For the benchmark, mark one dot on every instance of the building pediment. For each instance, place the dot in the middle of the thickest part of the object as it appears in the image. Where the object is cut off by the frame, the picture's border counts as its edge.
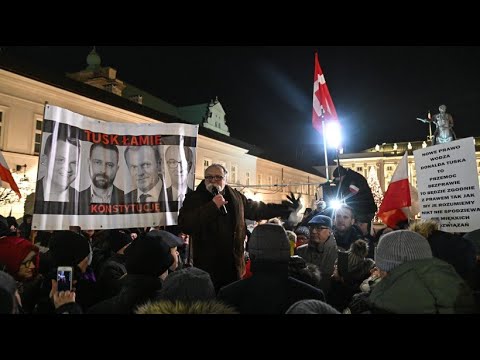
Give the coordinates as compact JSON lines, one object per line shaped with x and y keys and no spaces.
{"x":217,"y":107}
{"x":216,"y":118}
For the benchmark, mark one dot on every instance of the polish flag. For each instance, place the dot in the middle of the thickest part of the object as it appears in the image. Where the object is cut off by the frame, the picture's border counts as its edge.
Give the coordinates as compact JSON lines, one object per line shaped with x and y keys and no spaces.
{"x":6,"y":178}
{"x":323,"y":107}
{"x":397,"y":199}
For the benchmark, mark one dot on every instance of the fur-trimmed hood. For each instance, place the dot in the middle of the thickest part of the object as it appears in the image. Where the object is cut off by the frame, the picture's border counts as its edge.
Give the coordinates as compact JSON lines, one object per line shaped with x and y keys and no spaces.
{"x":425,"y":228}
{"x":197,"y":307}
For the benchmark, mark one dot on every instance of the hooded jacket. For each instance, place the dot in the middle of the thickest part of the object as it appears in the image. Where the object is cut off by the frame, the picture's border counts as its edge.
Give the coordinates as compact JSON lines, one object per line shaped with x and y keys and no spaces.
{"x":197,"y":307}
{"x":427,"y":286}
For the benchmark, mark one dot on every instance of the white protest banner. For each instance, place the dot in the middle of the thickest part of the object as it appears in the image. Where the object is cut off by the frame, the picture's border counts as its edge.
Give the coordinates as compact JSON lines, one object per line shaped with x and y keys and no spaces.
{"x":447,"y":183}
{"x":105,"y":175}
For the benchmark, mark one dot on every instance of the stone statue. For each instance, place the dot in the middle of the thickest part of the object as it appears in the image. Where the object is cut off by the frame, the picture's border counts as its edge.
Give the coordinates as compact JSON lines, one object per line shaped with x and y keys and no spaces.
{"x":444,"y":126}
{"x":444,"y":132}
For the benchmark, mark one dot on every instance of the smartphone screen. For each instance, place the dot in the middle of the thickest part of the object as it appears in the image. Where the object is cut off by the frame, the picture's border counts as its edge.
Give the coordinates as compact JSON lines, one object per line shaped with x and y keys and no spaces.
{"x":64,"y":278}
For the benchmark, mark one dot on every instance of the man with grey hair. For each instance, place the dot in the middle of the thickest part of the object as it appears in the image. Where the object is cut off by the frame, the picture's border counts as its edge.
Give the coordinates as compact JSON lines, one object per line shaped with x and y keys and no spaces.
{"x":214,"y":217}
{"x":179,"y":160}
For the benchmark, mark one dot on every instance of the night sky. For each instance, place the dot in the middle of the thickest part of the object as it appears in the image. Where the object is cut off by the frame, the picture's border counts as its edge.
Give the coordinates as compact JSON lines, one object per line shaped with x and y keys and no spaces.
{"x":378,"y":91}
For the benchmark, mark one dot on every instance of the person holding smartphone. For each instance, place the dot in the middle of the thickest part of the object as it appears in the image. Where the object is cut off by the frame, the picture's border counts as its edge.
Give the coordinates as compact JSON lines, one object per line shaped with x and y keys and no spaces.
{"x":62,"y":295}
{"x":71,"y":250}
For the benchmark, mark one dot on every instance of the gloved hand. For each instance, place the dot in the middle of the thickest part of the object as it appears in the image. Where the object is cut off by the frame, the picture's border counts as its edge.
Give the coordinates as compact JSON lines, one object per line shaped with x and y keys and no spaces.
{"x":293,"y":204}
{"x":320,"y":205}
{"x":360,"y":304}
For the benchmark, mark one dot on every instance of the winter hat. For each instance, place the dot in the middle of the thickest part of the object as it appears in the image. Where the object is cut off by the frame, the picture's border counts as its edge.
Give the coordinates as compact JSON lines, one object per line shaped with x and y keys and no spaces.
{"x":398,"y":247}
{"x":68,"y":248}
{"x":357,"y":254}
{"x":363,"y":218}
{"x":320,"y":220}
{"x":474,"y":237}
{"x":269,"y":242}
{"x":188,"y":285}
{"x":303,"y":230}
{"x":118,"y":239}
{"x":4,"y":228}
{"x":148,"y":255}
{"x":11,"y":221}
{"x":167,"y":237}
{"x":8,"y":287}
{"x":13,"y":250}
{"x":311,"y":307}
{"x":339,"y":171}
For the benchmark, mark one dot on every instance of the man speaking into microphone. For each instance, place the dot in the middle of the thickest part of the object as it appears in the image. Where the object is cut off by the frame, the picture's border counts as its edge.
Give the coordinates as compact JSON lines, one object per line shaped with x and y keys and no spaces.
{"x":214,"y":217}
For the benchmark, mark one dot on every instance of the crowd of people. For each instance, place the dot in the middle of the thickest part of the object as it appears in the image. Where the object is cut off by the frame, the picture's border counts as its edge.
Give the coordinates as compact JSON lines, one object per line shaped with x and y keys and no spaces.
{"x":326,"y":263}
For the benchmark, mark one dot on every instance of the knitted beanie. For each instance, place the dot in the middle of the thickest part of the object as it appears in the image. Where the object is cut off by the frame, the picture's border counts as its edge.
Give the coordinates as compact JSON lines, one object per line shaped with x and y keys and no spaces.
{"x":269,"y":242}
{"x":311,"y":307}
{"x":188,"y":285}
{"x":398,"y":247}
{"x":167,"y":237}
{"x":148,"y":255}
{"x":303,"y":230}
{"x":357,"y":254}
{"x":68,"y":248}
{"x":118,"y":239}
{"x":13,"y":250}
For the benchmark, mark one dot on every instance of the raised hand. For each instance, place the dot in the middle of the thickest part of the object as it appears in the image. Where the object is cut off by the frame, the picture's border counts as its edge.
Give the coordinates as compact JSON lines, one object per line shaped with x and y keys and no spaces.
{"x":294,"y":203}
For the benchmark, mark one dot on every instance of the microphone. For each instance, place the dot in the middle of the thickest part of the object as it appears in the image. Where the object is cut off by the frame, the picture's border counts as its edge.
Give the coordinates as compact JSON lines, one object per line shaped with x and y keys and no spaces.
{"x":223,"y":209}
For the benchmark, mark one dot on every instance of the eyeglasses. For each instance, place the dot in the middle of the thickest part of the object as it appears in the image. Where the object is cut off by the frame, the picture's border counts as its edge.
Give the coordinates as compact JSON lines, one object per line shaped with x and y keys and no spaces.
{"x":28,"y":263}
{"x":216,"y":177}
{"x":318,"y":228}
{"x":173,"y":163}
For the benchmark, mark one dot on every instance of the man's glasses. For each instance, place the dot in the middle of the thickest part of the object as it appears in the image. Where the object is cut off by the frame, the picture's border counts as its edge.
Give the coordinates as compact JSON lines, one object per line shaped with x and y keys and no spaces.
{"x":318,"y":228}
{"x":172,"y":163}
{"x":216,"y":177}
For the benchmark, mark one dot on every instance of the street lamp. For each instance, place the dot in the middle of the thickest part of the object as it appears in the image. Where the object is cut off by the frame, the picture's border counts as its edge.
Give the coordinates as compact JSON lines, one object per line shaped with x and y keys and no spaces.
{"x":333,"y":134}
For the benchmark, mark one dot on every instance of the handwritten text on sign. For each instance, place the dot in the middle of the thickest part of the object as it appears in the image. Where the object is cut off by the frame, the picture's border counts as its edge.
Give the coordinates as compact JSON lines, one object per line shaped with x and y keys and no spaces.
{"x":447,"y":183}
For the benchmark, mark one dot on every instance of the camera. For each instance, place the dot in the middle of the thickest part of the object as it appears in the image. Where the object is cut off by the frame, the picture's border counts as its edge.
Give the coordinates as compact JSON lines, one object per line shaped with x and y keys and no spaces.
{"x":64,"y":278}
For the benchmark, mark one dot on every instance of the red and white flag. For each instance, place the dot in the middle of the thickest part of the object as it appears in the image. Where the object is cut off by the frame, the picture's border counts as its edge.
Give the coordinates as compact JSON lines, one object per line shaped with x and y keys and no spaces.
{"x":6,"y":176}
{"x":322,"y":101}
{"x":397,"y":199}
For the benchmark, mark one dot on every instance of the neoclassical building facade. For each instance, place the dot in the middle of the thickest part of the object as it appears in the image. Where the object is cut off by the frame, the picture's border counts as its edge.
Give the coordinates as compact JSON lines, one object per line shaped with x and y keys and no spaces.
{"x":385,"y":158}
{"x":97,"y":93}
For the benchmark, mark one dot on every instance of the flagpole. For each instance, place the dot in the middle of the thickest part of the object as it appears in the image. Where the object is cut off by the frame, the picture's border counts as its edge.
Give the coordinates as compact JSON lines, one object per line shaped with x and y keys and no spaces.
{"x":324,"y":128}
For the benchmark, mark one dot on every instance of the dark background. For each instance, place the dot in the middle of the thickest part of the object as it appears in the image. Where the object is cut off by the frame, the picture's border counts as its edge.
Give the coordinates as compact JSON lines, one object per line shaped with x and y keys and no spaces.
{"x":266,"y":91}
